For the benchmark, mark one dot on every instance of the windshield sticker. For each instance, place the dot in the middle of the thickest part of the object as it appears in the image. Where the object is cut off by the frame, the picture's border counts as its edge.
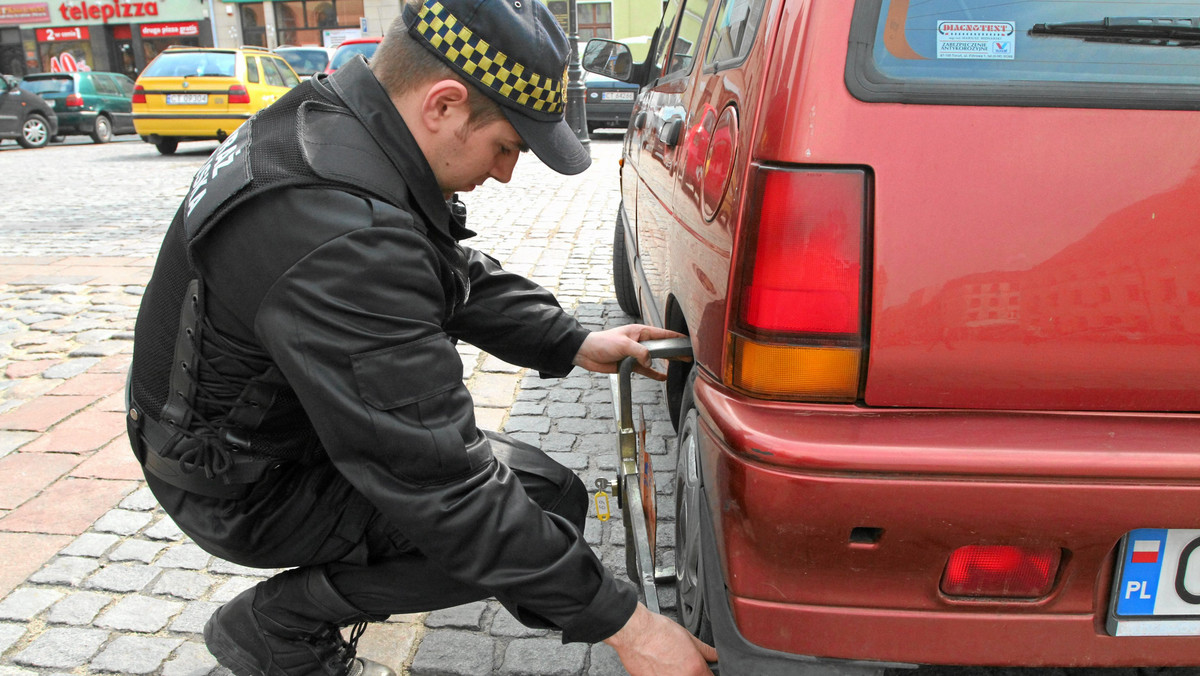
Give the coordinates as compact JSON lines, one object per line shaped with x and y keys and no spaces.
{"x":976,"y":40}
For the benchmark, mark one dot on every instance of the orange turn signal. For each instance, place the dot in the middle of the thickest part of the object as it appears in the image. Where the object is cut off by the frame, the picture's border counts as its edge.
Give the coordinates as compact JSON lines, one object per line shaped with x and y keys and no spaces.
{"x":793,"y":372}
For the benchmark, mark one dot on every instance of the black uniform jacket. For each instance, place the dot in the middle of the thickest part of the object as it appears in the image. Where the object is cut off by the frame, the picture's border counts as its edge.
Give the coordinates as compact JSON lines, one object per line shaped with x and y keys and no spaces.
{"x":348,"y":297}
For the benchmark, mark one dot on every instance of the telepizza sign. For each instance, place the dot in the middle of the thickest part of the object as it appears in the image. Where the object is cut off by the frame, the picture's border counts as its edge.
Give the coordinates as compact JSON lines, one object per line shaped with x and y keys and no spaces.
{"x":104,"y":11}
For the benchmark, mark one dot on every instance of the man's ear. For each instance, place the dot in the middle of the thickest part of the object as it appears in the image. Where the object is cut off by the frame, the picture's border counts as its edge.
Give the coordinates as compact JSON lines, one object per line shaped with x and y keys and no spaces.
{"x":446,"y":105}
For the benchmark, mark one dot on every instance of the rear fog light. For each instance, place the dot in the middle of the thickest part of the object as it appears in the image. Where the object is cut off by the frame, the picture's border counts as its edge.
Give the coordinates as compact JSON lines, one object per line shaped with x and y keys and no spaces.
{"x":1001,"y":571}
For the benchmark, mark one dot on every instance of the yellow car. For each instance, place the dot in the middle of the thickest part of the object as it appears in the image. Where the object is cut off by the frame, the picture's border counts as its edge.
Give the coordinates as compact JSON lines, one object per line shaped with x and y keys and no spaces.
{"x":199,"y":93}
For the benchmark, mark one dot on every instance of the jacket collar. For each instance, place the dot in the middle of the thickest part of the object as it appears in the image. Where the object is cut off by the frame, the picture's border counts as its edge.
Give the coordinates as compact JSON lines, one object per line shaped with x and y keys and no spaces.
{"x":361,"y":92}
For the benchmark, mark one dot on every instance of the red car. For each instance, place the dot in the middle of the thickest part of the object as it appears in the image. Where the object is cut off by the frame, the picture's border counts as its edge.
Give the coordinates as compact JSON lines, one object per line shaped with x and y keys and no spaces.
{"x":940,"y":269}
{"x":351,"y":48}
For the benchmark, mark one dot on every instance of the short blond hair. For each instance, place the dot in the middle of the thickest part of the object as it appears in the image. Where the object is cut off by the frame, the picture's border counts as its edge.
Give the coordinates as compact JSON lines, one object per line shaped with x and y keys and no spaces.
{"x":402,"y":64}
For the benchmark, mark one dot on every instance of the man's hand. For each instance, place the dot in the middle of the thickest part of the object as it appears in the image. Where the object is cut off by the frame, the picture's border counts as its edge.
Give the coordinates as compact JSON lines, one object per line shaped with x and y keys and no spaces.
{"x":602,"y":351}
{"x":652,"y":645}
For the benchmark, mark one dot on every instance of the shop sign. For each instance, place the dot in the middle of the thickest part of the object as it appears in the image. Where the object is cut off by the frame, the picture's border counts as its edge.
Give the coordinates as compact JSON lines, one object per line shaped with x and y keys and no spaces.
{"x":62,"y":34}
{"x":170,"y":30}
{"x":104,"y":11}
{"x":25,"y":12}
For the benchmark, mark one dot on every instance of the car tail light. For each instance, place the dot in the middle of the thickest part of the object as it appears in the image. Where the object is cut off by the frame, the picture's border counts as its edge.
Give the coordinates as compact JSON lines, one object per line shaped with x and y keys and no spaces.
{"x":73,"y":101}
{"x":139,"y":94}
{"x":797,"y":329}
{"x":238,"y":94}
{"x":1001,"y":571}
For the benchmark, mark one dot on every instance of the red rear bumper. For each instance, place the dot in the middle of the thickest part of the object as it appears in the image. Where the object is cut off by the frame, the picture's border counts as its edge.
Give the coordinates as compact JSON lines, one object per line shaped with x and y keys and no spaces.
{"x":789,"y":485}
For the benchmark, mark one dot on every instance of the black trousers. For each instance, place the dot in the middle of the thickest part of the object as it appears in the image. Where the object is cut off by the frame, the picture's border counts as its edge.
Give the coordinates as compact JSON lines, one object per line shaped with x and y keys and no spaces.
{"x":383,"y":575}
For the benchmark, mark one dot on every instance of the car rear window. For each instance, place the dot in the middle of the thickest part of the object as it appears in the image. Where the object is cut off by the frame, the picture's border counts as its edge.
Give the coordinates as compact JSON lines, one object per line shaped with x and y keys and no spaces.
{"x":347,"y":52}
{"x":49,"y":85}
{"x":1087,"y":53}
{"x":192,"y":64}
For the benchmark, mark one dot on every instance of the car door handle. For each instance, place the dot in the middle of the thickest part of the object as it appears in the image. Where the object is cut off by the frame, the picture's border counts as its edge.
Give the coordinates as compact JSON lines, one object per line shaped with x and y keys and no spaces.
{"x":669,"y":134}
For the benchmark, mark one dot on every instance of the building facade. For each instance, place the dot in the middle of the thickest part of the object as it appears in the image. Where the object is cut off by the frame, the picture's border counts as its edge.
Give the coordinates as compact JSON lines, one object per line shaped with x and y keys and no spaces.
{"x":124,"y":35}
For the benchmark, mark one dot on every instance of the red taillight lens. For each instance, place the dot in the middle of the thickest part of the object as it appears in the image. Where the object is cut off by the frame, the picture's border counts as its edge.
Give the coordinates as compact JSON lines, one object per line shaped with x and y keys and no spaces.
{"x":1001,"y":571}
{"x":73,"y":101}
{"x":238,"y":94}
{"x":797,"y":329}
{"x":807,"y":258}
{"x":139,"y":94}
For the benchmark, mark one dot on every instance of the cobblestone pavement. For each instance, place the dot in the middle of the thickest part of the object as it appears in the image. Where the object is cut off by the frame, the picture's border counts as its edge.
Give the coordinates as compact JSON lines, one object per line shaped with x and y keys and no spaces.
{"x":94,"y":578}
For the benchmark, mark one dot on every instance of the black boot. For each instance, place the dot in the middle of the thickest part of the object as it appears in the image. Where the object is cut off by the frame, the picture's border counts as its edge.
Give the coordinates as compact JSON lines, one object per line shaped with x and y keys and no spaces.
{"x":289,"y":626}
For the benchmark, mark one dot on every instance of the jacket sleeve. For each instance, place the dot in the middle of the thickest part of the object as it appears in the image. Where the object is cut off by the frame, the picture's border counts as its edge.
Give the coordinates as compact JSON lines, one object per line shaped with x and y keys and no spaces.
{"x":356,"y":327}
{"x":516,"y":320}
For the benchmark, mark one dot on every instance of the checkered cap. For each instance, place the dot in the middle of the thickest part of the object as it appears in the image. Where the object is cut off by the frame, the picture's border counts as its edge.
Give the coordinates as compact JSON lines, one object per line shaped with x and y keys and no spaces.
{"x":515,"y":53}
{"x":487,"y":64}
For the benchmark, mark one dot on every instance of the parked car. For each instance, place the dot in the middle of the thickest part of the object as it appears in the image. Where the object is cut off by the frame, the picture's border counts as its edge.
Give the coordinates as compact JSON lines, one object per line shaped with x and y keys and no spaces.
{"x":88,"y":103}
{"x":24,"y":116}
{"x":306,"y":60}
{"x":351,"y":48}
{"x":608,"y":102}
{"x":198,"y":93}
{"x":940,"y":268}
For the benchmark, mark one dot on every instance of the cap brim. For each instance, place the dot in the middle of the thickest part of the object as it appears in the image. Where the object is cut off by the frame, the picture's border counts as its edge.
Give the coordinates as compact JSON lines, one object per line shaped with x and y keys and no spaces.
{"x":553,"y":142}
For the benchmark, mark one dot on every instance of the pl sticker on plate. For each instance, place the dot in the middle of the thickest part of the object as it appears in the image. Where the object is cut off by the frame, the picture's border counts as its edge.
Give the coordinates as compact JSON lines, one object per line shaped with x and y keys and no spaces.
{"x":976,"y":40}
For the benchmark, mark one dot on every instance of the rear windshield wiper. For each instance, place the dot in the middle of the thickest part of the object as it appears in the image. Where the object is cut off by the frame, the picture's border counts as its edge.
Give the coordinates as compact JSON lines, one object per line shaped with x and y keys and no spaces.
{"x":1147,"y":30}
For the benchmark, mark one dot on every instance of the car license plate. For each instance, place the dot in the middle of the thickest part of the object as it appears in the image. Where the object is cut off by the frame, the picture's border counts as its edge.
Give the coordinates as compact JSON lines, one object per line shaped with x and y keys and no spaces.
{"x":187,"y":99}
{"x":1158,"y":584}
{"x":616,"y":96}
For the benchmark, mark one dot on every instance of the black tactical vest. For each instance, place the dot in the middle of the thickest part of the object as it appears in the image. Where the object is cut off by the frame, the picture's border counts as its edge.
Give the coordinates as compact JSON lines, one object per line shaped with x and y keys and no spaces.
{"x":206,"y":413}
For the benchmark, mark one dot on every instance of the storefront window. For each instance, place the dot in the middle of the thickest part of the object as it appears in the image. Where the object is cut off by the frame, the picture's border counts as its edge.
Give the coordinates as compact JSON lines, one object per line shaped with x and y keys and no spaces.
{"x":254,"y":24}
{"x":60,"y":57}
{"x":301,"y":22}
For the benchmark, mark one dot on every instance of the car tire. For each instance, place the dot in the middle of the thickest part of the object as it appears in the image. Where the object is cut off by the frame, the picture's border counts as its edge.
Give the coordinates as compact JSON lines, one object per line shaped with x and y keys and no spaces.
{"x":102,"y":133}
{"x":35,"y":132}
{"x":689,"y":568}
{"x":167,"y":146}
{"x":622,"y":275}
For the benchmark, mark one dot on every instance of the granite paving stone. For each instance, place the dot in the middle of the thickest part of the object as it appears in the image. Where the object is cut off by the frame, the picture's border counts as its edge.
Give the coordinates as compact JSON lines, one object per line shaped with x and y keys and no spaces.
{"x":543,"y":657}
{"x":25,"y":604}
{"x":232,"y":587}
{"x":10,"y":634}
{"x":193,"y":617}
{"x":164,"y":529}
{"x":91,"y":544}
{"x":135,"y":654}
{"x":504,"y":624}
{"x":187,"y":555}
{"x":123,"y":577}
{"x":184,"y":584}
{"x":122,"y":522}
{"x":69,"y":570}
{"x":189,"y":659}
{"x":466,"y":616}
{"x":139,"y":613}
{"x":454,"y":653}
{"x":62,"y":648}
{"x":141,"y":500}
{"x":79,"y":608}
{"x":137,"y":550}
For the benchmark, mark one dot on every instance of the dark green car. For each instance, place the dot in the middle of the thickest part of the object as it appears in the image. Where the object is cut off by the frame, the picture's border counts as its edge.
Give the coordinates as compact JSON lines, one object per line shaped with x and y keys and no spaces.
{"x":87,"y":103}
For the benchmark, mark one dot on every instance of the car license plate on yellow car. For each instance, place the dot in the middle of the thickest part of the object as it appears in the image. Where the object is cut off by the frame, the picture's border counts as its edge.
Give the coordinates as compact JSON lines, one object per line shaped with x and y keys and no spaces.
{"x":1157,"y":586}
{"x":187,"y":99}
